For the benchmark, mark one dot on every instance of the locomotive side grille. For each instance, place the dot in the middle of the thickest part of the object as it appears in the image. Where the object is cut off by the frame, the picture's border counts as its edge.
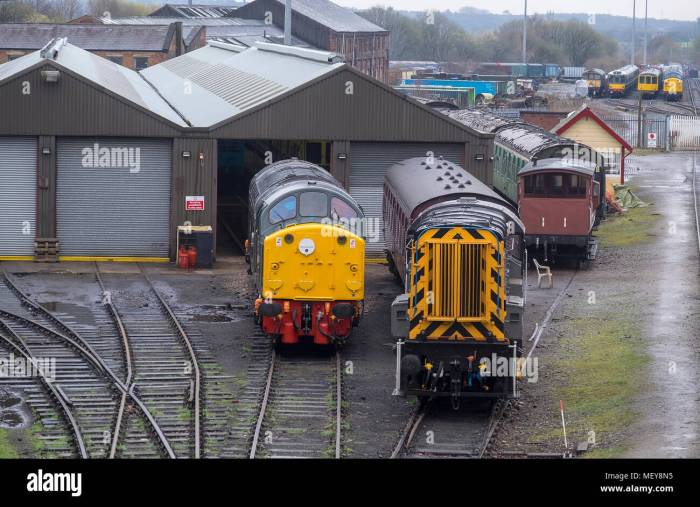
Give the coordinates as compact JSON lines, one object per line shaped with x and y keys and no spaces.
{"x":455,"y":280}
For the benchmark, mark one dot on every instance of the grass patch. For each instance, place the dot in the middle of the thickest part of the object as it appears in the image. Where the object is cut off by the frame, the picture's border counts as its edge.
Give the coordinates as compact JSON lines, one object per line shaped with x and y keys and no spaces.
{"x":630,"y":228}
{"x":604,"y":371}
{"x":7,"y":450}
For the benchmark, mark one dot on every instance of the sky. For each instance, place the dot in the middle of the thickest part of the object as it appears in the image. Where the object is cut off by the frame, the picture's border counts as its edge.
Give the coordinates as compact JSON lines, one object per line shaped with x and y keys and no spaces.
{"x":675,"y":9}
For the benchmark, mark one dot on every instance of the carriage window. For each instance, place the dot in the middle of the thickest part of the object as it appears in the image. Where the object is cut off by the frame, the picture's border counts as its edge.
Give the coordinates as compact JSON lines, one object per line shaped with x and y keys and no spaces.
{"x":342,"y":209}
{"x":284,"y":210}
{"x":577,"y":185}
{"x":313,"y":204}
{"x":534,"y":184}
{"x":555,"y":184}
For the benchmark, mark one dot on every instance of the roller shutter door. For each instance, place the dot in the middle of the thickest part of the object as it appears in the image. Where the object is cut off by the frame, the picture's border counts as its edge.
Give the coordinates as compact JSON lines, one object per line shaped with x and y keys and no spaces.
{"x":369,"y":162}
{"x":17,"y":196}
{"x":117,"y":206}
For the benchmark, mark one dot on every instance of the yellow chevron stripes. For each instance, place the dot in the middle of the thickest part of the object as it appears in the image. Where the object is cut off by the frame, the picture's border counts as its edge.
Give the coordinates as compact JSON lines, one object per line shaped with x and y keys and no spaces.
{"x":457,"y":289}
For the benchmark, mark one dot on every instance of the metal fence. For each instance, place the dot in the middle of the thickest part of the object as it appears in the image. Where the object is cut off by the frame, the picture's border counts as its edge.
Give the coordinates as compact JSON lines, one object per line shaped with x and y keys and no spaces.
{"x":684,"y":132}
{"x":673,"y":132}
{"x":628,"y":128}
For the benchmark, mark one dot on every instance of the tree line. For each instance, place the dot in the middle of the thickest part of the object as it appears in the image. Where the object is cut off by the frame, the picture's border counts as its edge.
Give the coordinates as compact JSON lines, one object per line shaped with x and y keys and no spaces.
{"x":433,"y":36}
{"x":60,"y":11}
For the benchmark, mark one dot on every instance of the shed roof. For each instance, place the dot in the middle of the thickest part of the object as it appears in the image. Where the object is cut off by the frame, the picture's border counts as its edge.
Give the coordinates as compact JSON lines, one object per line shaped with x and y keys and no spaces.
{"x":196,"y":10}
{"x":123,"y":82}
{"x":215,"y":83}
{"x":228,"y":29}
{"x":333,"y":16}
{"x":90,"y":37}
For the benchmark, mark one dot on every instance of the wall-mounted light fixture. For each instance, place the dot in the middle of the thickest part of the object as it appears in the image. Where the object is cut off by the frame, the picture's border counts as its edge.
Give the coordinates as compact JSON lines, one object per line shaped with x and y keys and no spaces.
{"x":342,"y":156}
{"x":479,"y":156}
{"x":200,"y":156}
{"x":46,"y":151}
{"x":50,"y":76}
{"x":186,"y":154}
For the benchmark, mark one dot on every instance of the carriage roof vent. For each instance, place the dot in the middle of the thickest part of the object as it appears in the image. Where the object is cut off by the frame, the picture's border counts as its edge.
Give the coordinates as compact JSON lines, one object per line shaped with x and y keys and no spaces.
{"x":447,"y":187}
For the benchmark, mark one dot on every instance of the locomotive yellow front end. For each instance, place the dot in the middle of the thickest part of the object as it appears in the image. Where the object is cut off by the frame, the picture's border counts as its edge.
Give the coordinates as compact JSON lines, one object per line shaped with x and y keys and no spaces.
{"x":457,"y":291}
{"x":312,"y":283}
{"x":464,"y":332}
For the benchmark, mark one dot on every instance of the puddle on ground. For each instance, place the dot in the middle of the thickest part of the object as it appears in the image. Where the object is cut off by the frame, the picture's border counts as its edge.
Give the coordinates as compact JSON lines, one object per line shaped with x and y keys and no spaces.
{"x":11,"y":419}
{"x":14,"y":413}
{"x":8,"y":400}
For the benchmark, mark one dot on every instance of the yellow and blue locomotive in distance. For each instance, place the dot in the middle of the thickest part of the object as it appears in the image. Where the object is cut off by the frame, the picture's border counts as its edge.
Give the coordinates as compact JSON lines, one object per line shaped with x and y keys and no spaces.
{"x":306,"y":254}
{"x":673,"y":82}
{"x":458,"y":247}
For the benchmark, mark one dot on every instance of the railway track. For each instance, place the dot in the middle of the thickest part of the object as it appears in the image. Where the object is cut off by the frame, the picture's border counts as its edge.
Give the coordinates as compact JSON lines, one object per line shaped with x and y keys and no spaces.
{"x":131,"y":374}
{"x":300,"y":413}
{"x":83,"y":390}
{"x":434,"y":430}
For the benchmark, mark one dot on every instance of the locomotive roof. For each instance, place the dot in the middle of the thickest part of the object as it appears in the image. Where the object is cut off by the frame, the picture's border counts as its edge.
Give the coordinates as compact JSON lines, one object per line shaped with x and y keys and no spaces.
{"x":552,"y":164}
{"x":627,"y":69}
{"x":286,"y":172}
{"x":597,"y":71}
{"x":651,"y":70}
{"x":416,"y":182}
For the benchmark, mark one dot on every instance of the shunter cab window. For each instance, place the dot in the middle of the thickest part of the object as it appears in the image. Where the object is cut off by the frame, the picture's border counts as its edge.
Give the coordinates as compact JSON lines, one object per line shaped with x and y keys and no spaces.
{"x":286,"y":209}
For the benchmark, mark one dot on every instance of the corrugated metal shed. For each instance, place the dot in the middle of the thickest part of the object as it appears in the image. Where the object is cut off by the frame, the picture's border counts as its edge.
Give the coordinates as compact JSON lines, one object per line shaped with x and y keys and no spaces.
{"x":220,"y":83}
{"x":119,"y":80}
{"x":89,"y":37}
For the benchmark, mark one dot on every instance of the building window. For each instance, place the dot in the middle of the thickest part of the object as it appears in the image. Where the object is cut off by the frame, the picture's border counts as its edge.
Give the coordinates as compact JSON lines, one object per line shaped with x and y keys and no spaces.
{"x":115,"y":59}
{"x":140,"y":62}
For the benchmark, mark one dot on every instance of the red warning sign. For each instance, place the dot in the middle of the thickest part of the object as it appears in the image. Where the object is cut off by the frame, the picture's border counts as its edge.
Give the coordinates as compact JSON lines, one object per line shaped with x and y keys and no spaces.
{"x":194,"y":203}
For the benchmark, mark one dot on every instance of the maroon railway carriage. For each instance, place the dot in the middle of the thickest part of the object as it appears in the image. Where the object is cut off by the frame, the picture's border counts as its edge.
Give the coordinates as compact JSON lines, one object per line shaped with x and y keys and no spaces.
{"x":558,"y":200}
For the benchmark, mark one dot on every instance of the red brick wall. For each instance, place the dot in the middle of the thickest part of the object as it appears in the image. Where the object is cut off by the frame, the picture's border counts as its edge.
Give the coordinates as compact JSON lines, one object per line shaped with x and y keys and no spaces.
{"x":545,"y":119}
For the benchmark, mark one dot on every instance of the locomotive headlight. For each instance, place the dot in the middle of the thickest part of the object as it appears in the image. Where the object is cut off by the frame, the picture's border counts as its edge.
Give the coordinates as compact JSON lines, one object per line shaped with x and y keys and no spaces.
{"x":342,"y":240}
{"x":307,"y":246}
{"x":288,"y":238}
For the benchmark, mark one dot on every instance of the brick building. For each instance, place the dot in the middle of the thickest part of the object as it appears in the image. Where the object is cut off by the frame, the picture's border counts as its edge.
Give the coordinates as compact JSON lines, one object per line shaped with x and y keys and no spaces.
{"x":135,"y":47}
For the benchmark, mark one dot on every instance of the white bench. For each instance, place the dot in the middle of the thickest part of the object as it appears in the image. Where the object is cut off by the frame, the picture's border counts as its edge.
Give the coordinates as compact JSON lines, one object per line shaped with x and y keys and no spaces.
{"x":542,"y":272}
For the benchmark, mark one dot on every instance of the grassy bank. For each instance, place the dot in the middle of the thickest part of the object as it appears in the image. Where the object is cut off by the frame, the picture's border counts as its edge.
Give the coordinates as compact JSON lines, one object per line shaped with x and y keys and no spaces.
{"x":604,"y":371}
{"x":636,"y":225}
{"x":7,"y":450}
